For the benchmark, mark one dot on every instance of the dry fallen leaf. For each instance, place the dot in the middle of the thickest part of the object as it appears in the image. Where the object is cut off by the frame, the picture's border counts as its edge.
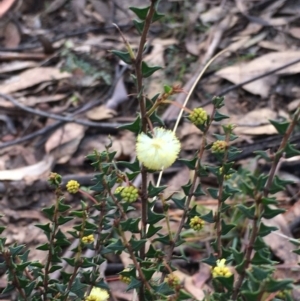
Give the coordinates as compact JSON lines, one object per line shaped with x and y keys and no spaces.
{"x":5,"y":5}
{"x":246,"y":71}
{"x":32,"y":77}
{"x":12,"y":35}
{"x":295,"y":32}
{"x":64,"y":142}
{"x":254,"y":122}
{"x":29,"y":173}
{"x":101,"y":113}
{"x":16,"y":65}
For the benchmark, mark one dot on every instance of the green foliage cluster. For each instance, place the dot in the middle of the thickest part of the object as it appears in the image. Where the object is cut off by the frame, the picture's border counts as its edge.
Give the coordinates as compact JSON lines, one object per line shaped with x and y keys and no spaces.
{"x":106,"y":217}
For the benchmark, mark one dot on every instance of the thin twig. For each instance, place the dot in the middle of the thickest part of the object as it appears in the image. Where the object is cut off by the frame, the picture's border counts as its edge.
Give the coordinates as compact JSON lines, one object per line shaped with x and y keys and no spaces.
{"x":71,"y":118}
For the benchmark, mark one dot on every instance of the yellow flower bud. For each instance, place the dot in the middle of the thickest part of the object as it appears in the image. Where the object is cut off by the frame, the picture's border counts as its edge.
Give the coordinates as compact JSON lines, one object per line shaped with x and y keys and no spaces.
{"x":172,"y":280}
{"x":219,"y":146}
{"x":196,"y":223}
{"x":221,"y":270}
{"x":88,"y":239}
{"x":198,"y":116}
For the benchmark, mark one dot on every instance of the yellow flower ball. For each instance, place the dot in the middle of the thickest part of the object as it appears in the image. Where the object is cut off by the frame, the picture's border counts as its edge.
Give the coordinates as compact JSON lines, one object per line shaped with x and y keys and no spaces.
{"x":73,"y":186}
{"x":221,"y":270}
{"x":196,"y":223}
{"x":159,"y":152}
{"x":88,"y":239}
{"x":97,"y":294}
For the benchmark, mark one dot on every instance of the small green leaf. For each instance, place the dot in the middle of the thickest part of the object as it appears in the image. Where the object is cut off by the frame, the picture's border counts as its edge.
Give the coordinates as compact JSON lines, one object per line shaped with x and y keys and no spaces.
{"x":260,"y":257}
{"x":227,"y":282}
{"x":62,"y":220}
{"x":218,"y":116}
{"x":273,"y":285}
{"x":147,"y":70}
{"x":49,"y":211}
{"x":247,"y":211}
{"x":2,"y":228}
{"x":179,"y":202}
{"x":9,"y":288}
{"x":279,"y":185}
{"x":153,"y":217}
{"x":168,"y":89}
{"x":183,"y":295}
{"x":16,"y":250}
{"x":280,"y":126}
{"x":70,"y":261}
{"x":63,"y":207}
{"x":134,"y":166}
{"x":291,"y":151}
{"x":154,"y":191}
{"x":218,"y":102}
{"x":157,"y":16}
{"x":78,"y":288}
{"x":55,"y":268}
{"x":131,"y":225}
{"x":191,"y":164}
{"x":214,"y":192}
{"x":134,"y":284}
{"x":259,"y":244}
{"x":186,"y":188}
{"x":198,"y":191}
{"x":61,"y":239}
{"x":156,"y":119}
{"x":163,"y":289}
{"x":265,"y":230}
{"x":152,"y":230}
{"x":164,"y":239}
{"x":152,"y":252}
{"x":44,"y":247}
{"x":209,"y":218}
{"x":29,"y":288}
{"x":264,"y":155}
{"x":269,"y":201}
{"x":116,"y":246}
{"x":148,"y":273}
{"x":140,"y":12}
{"x":232,"y":153}
{"x":124,"y":56}
{"x":139,"y":25}
{"x":238,"y":256}
{"x":211,"y":260}
{"x":271,"y":212}
{"x":250,"y":295}
{"x":226,"y":227}
{"x":134,"y":127}
{"x":79,"y":214}
{"x":260,"y":274}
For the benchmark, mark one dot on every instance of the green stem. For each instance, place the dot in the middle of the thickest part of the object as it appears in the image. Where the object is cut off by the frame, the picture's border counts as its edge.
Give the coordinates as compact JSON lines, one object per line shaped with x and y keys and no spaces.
{"x":220,"y":194}
{"x":189,"y":197}
{"x":51,"y":243}
{"x":142,"y":102}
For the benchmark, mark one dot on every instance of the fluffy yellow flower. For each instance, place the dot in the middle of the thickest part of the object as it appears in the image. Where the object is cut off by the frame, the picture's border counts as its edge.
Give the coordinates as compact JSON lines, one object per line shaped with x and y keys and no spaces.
{"x":97,"y":294}
{"x":221,"y":270}
{"x":159,"y":152}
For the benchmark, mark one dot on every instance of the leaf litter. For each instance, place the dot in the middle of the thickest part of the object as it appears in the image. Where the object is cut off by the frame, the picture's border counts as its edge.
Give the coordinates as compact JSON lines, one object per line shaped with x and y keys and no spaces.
{"x":259,"y":37}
